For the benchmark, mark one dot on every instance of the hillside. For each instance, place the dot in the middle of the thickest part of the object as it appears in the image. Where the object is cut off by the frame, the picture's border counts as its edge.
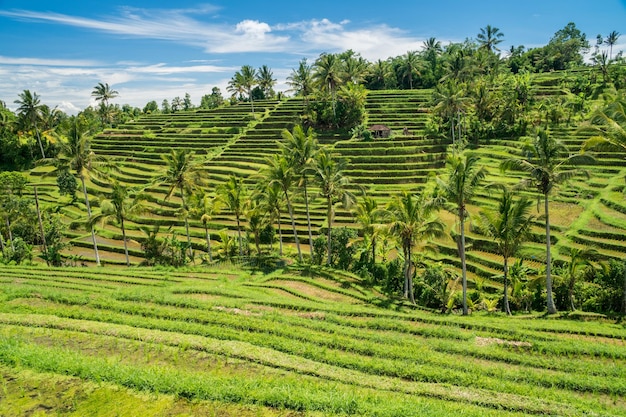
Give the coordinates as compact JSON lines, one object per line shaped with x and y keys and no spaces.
{"x":231,"y":342}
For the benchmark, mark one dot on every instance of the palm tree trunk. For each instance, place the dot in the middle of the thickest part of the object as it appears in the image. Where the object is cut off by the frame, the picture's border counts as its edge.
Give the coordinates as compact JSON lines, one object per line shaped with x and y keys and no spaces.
{"x":624,"y":299}
{"x":570,"y":292}
{"x":280,"y":237}
{"x":125,"y":242}
{"x":409,"y":280}
{"x":405,"y":285}
{"x":93,"y":233}
{"x":308,"y":217}
{"x":208,"y":242}
{"x":43,"y":155}
{"x":373,"y":249}
{"x":463,"y":263}
{"x":251,"y":100}
{"x":43,"y":235}
{"x":293,"y":225}
{"x":10,"y":233}
{"x":182,"y":197}
{"x":507,"y":307}
{"x":550,"y":300}
{"x":330,"y":227}
{"x":239,"y":235}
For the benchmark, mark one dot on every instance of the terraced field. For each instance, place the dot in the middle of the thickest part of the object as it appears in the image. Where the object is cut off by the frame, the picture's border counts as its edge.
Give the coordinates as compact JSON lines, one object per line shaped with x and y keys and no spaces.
{"x":230,"y":342}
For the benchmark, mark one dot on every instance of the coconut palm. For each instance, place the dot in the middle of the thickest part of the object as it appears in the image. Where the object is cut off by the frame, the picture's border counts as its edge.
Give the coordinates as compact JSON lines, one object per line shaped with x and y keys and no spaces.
{"x":450,"y":103}
{"x":182,"y":174}
{"x":103,"y":93}
{"x":203,"y":207}
{"x":232,"y":193}
{"x":379,"y":72}
{"x":75,"y":155}
{"x":333,"y":186}
{"x":301,"y":80}
{"x":611,"y":39}
{"x":270,"y":198}
{"x":572,"y":270}
{"x":368,"y":215}
{"x":120,"y":204}
{"x":243,"y":81}
{"x":412,"y":221}
{"x":327,"y":75}
{"x":300,"y":148}
{"x":461,"y":182}
{"x":410,"y":66}
{"x":266,"y":81}
{"x":489,"y":37}
{"x":548,"y":164}
{"x":280,"y":172}
{"x":607,"y":128}
{"x":30,"y":111}
{"x":509,"y":227}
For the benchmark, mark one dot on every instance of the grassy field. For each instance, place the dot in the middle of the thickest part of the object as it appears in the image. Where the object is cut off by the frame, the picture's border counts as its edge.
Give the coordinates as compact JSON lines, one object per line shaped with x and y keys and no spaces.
{"x":227,"y":341}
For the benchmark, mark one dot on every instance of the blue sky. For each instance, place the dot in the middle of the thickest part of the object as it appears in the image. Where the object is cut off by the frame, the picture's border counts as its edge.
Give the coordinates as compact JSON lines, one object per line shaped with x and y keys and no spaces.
{"x":155,"y":50}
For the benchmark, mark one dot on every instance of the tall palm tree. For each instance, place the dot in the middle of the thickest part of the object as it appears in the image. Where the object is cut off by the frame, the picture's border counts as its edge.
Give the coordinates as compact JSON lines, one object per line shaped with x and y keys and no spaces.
{"x":280,"y":172}
{"x":579,"y":259}
{"x":75,"y":155}
{"x":266,"y":81}
{"x":103,"y":93}
{"x":461,"y":182}
{"x":233,"y":193}
{"x":244,"y":80}
{"x":410,"y":66}
{"x":327,"y":75}
{"x":368,"y":215}
{"x":611,"y":39}
{"x":301,"y":80}
{"x":203,"y":208}
{"x":548,"y":164}
{"x":607,"y":128}
{"x":334,"y":186}
{"x":489,"y":37}
{"x":450,"y":103}
{"x":121,"y":203}
{"x":182,"y":174}
{"x":30,"y":111}
{"x":379,"y":72}
{"x":412,"y":221}
{"x":300,"y":148}
{"x":509,"y":226}
{"x":270,"y":199}
{"x":354,"y":68}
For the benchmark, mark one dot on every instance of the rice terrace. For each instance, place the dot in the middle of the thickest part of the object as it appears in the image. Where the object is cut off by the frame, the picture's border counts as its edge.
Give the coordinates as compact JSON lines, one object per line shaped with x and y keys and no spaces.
{"x":441,"y":233}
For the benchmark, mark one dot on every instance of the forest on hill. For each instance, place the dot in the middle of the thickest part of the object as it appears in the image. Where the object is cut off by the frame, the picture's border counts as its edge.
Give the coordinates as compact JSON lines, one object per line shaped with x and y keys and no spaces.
{"x":418,"y":173}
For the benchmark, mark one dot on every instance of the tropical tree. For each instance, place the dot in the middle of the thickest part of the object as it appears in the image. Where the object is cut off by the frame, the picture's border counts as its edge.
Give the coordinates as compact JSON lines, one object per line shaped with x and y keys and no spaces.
{"x":379,"y":74}
{"x":266,"y":81}
{"x":203,"y":207}
{"x":182,"y":174}
{"x":410,"y":66}
{"x":76,"y":156}
{"x":611,"y":39}
{"x":412,"y":221}
{"x":280,"y":172}
{"x":369,"y":216}
{"x":103,"y":93}
{"x":450,"y":103}
{"x":509,"y":227}
{"x":572,"y":270}
{"x":270,"y":198}
{"x":489,"y":37}
{"x":607,"y":128}
{"x":232,"y":193}
{"x":300,"y":148}
{"x":301,"y":80}
{"x":121,"y":203}
{"x":327,"y":75}
{"x":30,"y":111}
{"x":548,"y":164}
{"x":244,"y":81}
{"x":334,"y":186}
{"x":457,"y":188}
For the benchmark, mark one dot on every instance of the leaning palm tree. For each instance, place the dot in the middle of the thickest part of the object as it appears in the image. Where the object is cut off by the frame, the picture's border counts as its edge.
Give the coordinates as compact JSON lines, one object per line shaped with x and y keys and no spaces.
{"x":334,"y":186}
{"x":75,"y":155}
{"x":457,"y":188}
{"x":280,"y":172}
{"x":509,"y":227}
{"x":232,"y":193}
{"x":548,"y":164}
{"x":412,"y":221}
{"x":30,"y":111}
{"x":300,"y":148}
{"x":182,"y":174}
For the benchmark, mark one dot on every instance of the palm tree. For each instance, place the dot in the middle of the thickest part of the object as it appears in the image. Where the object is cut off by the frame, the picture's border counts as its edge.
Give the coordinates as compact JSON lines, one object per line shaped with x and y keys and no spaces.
{"x":379,"y":73}
{"x":301,"y":80}
{"x":509,"y":226}
{"x":410,"y":66}
{"x":574,"y":268}
{"x":413,"y":220}
{"x":354,"y":68}
{"x":334,"y":187}
{"x":300,"y":148}
{"x":489,"y":37}
{"x":270,"y":200}
{"x":607,"y":128}
{"x":280,"y":172}
{"x":611,"y":40}
{"x":457,"y":188}
{"x":450,"y":103}
{"x":30,"y":111}
{"x":120,"y":208}
{"x":203,"y":208}
{"x":182,"y":173}
{"x":103,"y":93}
{"x":244,"y":81}
{"x":75,"y":154}
{"x":328,"y":75}
{"x":545,"y":161}
{"x":368,"y":215}
{"x":233,"y":193}
{"x":266,"y":81}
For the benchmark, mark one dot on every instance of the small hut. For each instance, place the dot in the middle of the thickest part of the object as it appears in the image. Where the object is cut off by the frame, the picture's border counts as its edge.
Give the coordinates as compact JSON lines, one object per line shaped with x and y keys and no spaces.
{"x":380,"y":131}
